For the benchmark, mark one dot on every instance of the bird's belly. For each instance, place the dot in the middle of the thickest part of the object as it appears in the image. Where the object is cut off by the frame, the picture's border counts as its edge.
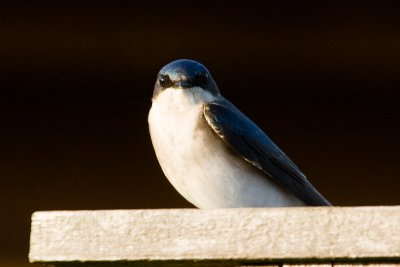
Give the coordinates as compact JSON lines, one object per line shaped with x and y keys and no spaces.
{"x":202,"y":167}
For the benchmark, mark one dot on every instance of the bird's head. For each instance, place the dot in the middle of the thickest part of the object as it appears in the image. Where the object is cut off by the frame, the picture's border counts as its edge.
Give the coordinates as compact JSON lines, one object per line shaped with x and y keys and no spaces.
{"x":184,"y":74}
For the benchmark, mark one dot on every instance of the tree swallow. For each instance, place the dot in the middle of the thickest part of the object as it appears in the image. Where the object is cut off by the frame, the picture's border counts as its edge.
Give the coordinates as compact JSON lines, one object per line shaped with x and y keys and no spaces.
{"x":213,"y":154}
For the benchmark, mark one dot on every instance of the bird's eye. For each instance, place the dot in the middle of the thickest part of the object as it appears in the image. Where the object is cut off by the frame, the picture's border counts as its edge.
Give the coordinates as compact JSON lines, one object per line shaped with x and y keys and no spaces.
{"x":165,"y":81}
{"x":201,"y":78}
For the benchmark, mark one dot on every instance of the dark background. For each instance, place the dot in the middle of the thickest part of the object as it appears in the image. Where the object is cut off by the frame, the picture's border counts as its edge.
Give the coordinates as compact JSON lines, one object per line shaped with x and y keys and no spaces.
{"x":76,"y":82}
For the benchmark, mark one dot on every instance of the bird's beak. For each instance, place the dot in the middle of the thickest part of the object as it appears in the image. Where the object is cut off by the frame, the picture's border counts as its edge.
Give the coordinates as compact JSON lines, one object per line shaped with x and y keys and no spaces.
{"x":184,"y":84}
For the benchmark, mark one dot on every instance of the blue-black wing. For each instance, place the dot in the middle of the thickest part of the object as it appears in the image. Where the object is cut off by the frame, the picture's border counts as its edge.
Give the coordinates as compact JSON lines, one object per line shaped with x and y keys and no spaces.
{"x":251,"y":143}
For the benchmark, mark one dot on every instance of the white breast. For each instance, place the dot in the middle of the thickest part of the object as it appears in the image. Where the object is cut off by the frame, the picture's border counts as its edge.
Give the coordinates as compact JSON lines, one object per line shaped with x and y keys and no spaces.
{"x":198,"y":163}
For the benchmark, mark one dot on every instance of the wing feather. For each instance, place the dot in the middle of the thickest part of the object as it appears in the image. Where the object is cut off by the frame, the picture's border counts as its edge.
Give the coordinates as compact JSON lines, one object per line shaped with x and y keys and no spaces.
{"x":251,"y":143}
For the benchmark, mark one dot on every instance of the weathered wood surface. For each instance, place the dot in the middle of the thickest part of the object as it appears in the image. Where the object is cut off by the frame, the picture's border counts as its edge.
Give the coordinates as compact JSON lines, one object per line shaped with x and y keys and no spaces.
{"x":224,"y":237}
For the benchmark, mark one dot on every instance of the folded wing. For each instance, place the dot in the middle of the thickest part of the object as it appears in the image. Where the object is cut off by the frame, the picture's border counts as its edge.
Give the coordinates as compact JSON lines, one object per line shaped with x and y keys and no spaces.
{"x":251,"y":143}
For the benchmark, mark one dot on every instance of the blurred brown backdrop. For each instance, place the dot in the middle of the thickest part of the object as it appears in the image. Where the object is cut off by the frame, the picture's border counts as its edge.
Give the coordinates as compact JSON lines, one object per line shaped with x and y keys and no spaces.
{"x":76,"y":81}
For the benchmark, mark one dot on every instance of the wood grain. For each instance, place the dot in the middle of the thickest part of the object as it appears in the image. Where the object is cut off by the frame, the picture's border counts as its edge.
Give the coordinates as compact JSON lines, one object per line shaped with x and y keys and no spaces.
{"x":232,"y":236}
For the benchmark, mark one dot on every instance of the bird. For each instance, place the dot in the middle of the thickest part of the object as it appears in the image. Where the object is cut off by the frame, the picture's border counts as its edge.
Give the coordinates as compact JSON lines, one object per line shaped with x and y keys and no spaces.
{"x":212,"y":153}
